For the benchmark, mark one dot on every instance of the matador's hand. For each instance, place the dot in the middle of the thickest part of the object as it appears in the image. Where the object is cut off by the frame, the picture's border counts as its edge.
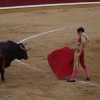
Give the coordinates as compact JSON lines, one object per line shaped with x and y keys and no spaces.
{"x":77,"y":50}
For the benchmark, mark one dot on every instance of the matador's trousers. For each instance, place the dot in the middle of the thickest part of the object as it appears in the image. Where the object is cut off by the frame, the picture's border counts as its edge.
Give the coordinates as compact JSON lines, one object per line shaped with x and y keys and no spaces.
{"x":79,"y":58}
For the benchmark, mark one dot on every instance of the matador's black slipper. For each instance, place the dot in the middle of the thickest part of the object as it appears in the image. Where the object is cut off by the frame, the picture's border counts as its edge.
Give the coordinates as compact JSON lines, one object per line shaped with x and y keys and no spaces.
{"x":88,"y":79}
{"x":70,"y":80}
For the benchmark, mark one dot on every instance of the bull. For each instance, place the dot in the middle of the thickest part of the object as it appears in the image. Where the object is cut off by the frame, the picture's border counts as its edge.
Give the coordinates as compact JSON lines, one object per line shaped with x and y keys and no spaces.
{"x":9,"y":50}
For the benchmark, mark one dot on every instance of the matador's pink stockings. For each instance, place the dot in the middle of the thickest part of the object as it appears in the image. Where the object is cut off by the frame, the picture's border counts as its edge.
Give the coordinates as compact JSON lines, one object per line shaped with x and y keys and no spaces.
{"x":73,"y":76}
{"x":87,"y":73}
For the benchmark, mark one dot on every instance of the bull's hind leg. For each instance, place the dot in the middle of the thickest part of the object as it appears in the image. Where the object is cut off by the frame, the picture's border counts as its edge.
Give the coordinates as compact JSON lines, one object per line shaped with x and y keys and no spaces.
{"x":2,"y":75}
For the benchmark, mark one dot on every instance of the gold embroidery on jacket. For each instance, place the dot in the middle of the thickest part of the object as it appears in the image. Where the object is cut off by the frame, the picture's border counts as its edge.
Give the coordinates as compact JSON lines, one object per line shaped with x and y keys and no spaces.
{"x":78,"y":50}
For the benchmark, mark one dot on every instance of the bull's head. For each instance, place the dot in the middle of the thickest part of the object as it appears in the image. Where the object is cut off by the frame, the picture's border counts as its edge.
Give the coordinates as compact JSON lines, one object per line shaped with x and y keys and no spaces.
{"x":22,"y":52}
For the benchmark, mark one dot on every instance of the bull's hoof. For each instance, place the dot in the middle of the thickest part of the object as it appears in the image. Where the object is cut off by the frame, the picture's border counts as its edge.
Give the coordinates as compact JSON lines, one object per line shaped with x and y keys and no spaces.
{"x":3,"y":80}
{"x":70,"y":80}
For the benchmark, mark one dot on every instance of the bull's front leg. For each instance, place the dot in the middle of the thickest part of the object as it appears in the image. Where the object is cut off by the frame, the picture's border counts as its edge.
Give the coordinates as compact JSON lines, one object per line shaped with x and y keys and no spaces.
{"x":2,"y":75}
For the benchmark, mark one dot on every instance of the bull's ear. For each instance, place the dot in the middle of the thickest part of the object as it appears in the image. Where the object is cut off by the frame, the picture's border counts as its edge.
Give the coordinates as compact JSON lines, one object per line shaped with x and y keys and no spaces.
{"x":24,"y":48}
{"x":21,"y":47}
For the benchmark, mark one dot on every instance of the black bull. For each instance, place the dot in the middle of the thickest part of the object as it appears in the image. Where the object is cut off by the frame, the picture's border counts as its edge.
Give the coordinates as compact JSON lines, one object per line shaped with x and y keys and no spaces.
{"x":9,"y":50}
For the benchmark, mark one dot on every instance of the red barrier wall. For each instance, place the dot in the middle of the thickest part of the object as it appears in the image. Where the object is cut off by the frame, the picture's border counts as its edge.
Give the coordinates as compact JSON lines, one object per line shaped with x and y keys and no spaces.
{"x":7,"y":3}
{"x":0,"y":3}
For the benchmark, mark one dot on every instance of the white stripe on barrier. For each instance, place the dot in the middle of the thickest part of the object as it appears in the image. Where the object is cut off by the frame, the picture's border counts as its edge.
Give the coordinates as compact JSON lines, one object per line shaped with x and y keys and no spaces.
{"x":46,"y":5}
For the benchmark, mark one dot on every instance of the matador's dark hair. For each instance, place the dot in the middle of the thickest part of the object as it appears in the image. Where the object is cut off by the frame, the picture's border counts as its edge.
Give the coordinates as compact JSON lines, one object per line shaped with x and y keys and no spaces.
{"x":80,"y":29}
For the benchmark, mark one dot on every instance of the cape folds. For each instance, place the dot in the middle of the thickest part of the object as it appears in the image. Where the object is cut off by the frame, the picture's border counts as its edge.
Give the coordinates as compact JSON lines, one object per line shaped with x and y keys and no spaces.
{"x":61,"y":62}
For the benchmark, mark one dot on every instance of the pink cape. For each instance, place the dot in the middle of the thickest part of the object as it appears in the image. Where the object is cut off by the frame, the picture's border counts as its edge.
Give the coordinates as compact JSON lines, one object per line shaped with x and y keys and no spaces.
{"x":61,"y":62}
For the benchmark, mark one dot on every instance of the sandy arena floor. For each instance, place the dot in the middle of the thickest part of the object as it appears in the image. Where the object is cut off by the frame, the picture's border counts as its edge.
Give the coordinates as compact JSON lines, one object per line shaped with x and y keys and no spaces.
{"x":36,"y":81}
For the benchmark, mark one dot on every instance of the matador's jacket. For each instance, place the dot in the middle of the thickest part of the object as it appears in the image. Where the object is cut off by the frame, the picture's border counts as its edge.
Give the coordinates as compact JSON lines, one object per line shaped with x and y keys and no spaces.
{"x":82,"y":40}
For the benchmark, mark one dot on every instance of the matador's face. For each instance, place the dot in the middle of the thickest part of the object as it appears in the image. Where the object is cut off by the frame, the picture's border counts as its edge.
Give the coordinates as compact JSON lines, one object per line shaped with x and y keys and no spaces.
{"x":79,"y":32}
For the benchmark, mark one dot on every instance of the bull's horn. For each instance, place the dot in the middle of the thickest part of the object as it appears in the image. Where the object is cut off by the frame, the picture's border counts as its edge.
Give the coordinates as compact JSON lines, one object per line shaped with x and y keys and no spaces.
{"x":25,"y":44}
{"x":29,"y":49}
